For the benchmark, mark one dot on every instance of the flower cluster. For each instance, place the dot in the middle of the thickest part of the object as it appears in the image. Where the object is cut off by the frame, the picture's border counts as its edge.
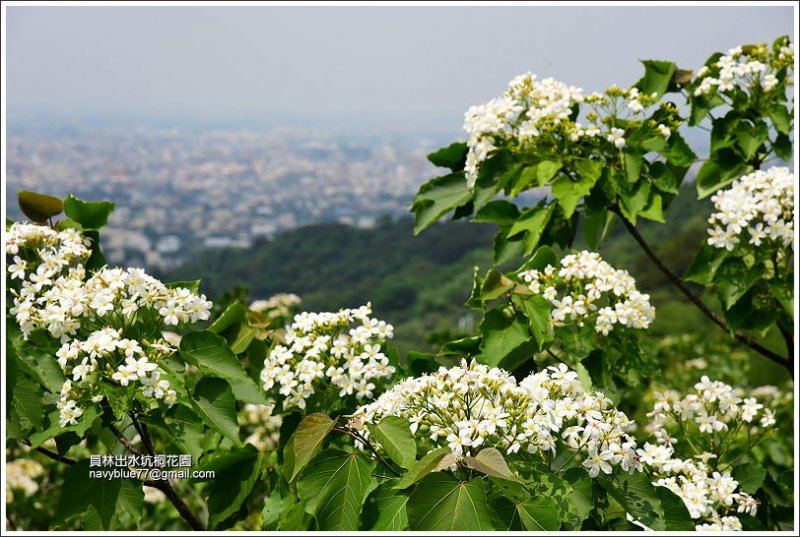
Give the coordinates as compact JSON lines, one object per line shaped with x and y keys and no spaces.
{"x":472,"y":406}
{"x":263,"y":427}
{"x":58,"y":295}
{"x":109,"y":321}
{"x":745,"y":68}
{"x":21,"y":475}
{"x":709,"y":495}
{"x":277,"y":306}
{"x":341,"y":349}
{"x":757,"y":209}
{"x":106,"y":356}
{"x":713,"y":407}
{"x":707,"y":422}
{"x":588,"y":289}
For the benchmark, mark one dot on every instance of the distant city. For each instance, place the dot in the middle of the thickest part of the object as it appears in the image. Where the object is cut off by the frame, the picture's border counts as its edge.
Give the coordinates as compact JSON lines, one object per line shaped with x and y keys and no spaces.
{"x":182,"y":189}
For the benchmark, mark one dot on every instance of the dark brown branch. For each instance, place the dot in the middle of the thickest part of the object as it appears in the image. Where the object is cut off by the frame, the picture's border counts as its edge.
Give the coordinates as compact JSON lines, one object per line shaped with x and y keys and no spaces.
{"x":162,"y":485}
{"x":51,"y":454}
{"x":694,"y":299}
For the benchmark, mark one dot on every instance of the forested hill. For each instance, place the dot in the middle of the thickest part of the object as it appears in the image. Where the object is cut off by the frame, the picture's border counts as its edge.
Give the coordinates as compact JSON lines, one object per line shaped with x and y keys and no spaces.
{"x":420,"y":283}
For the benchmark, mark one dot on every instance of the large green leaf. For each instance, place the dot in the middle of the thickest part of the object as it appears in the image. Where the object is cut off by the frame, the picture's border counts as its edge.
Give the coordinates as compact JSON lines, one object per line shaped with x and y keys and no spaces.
{"x":233,"y":314}
{"x":214,"y":402}
{"x":98,"y":501}
{"x":307,"y":439}
{"x":442,"y":503}
{"x":638,"y":497}
{"x":657,"y":77}
{"x":53,"y":429}
{"x":502,"y":334}
{"x":427,"y":464}
{"x":394,"y":436}
{"x":231,"y":487}
{"x":89,"y":214}
{"x":533,"y":223}
{"x":750,"y":476}
{"x":334,"y":488}
{"x":569,"y":191}
{"x":27,"y":400}
{"x":676,"y":516}
{"x":539,"y":514}
{"x":490,"y":461}
{"x":385,"y":509}
{"x":438,"y":197}
{"x":212,"y":355}
{"x":454,"y":156}
{"x":537,"y":309}
{"x":733,"y":279}
{"x":39,"y":207}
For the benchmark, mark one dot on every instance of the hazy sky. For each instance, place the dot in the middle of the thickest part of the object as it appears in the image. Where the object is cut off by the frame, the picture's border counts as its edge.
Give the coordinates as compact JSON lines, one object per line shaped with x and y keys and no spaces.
{"x":300,"y":61}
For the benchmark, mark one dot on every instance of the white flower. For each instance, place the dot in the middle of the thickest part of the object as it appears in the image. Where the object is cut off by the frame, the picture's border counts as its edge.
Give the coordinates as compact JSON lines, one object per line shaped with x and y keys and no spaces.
{"x":595,"y":462}
{"x":617,"y":137}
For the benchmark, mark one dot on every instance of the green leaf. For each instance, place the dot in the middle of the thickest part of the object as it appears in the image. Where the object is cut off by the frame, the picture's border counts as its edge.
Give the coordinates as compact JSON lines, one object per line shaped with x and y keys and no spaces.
{"x":705,"y":264}
{"x":212,"y":355}
{"x":495,"y":285}
{"x":500,"y":212}
{"x":98,"y":501}
{"x":750,"y":137}
{"x":454,"y":156}
{"x":231,"y":487}
{"x":214,"y":402}
{"x":657,"y":77}
{"x":676,"y":516}
{"x":539,"y":514}
{"x":83,"y":424}
{"x":393,"y":515}
{"x":27,"y":400}
{"x":235,"y":313}
{"x":633,"y":166}
{"x":186,"y":429}
{"x":334,"y":488}
{"x":783,"y":147}
{"x":750,"y":476}
{"x":438,"y":197}
{"x":490,"y":461}
{"x":422,"y":467}
{"x":501,"y":335}
{"x":568,"y":192}
{"x":537,"y":309}
{"x":271,"y":513}
{"x":655,"y":208}
{"x":394,"y":436}
{"x":89,"y":214}
{"x":541,"y":174}
{"x":638,"y":497}
{"x":39,"y":207}
{"x":781,"y":118}
{"x":733,"y":279}
{"x":533,"y":222}
{"x":678,"y":152}
{"x":307,"y":439}
{"x":36,"y":358}
{"x":442,"y":503}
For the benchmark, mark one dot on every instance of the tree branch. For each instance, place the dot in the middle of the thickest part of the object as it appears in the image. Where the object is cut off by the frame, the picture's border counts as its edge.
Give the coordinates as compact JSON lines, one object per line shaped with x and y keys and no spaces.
{"x":162,"y":485}
{"x":694,"y":299}
{"x":51,"y":454}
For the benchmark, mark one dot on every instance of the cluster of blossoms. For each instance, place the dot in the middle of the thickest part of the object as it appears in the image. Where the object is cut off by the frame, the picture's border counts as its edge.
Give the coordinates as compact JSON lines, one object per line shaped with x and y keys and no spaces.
{"x":21,"y":475}
{"x":710,"y":496}
{"x":277,"y":306}
{"x":532,"y":111}
{"x":745,"y":68}
{"x":91,"y":313}
{"x":66,"y":303}
{"x":341,"y":349}
{"x":106,"y":355}
{"x":757,"y":209}
{"x":588,"y":289}
{"x":472,"y":406}
{"x":710,"y":418}
{"x":263,"y":427}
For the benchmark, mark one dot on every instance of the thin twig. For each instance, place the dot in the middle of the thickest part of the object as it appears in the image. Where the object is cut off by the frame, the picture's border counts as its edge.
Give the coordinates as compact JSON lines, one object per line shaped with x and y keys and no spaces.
{"x":683,"y":288}
{"x":162,"y":485}
{"x":365,"y":442}
{"x":52,"y":454}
